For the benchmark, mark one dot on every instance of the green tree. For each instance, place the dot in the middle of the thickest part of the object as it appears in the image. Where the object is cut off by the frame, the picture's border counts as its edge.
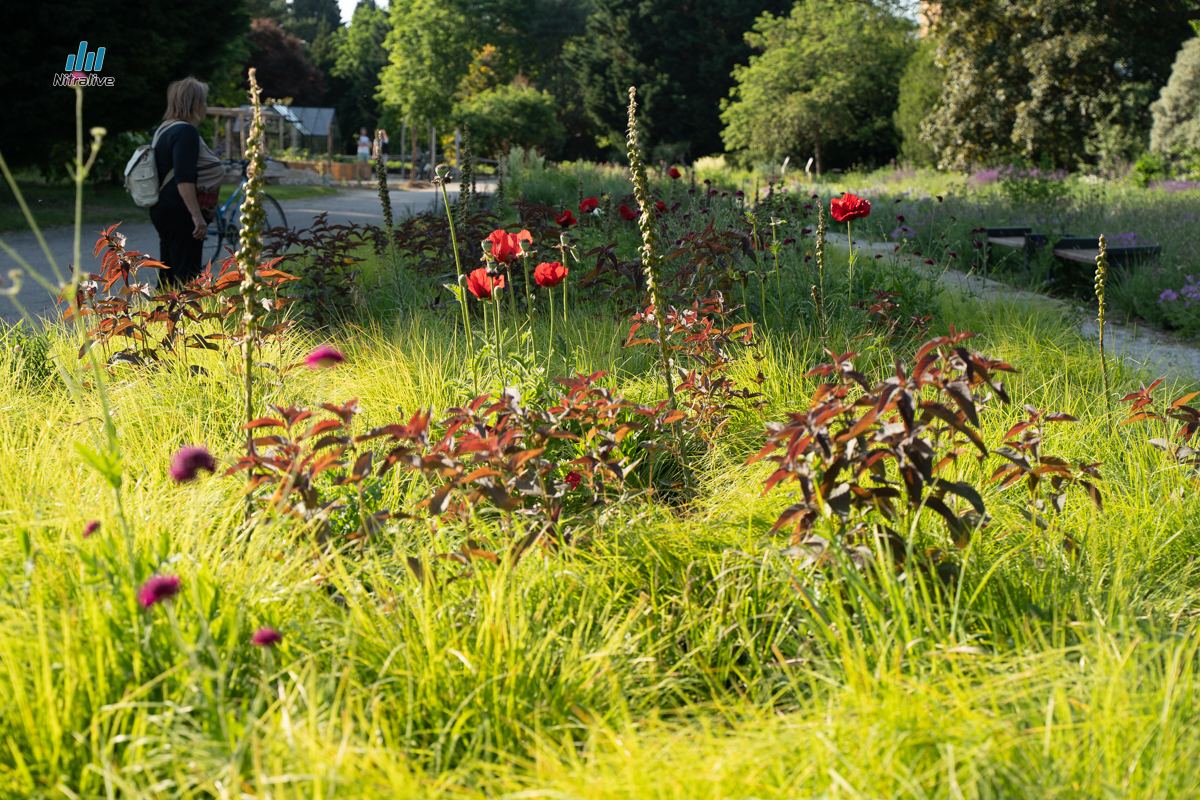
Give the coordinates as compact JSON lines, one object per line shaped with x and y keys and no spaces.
{"x":1176,"y":114}
{"x":679,"y":55}
{"x":920,"y":90}
{"x":307,"y":18}
{"x":354,"y":77}
{"x":1070,"y":80}
{"x":512,"y":114}
{"x":825,"y":84}
{"x":432,"y":45}
{"x":147,"y":45}
{"x":280,"y":64}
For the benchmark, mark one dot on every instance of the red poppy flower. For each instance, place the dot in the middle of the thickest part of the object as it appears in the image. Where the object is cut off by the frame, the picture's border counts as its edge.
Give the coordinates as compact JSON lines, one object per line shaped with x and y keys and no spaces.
{"x":661,"y":206}
{"x":589,"y":205}
{"x":550,"y":274}
{"x":848,"y":207}
{"x":674,"y":173}
{"x":626,"y":214}
{"x":573,"y":480}
{"x":507,"y":246}
{"x":480,"y":284}
{"x":565,"y":219}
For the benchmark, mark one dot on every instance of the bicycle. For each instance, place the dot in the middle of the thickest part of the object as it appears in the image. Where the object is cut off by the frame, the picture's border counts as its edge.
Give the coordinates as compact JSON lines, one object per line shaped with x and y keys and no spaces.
{"x":225,"y":227}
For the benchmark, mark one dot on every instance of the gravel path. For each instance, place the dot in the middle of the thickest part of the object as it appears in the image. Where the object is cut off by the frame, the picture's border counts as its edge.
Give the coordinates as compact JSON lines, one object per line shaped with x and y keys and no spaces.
{"x":1158,"y":354}
{"x":349,"y":205}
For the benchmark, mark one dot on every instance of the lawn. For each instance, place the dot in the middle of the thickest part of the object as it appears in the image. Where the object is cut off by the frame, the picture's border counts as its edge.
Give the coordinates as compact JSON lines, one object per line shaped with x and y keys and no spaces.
{"x":53,"y":204}
{"x":656,"y":639}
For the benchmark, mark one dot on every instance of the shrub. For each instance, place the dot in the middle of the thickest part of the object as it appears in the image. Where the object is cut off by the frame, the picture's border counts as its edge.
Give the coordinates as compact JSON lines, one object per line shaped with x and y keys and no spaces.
{"x":1176,"y":114}
{"x":511,"y":115}
{"x":920,"y":89}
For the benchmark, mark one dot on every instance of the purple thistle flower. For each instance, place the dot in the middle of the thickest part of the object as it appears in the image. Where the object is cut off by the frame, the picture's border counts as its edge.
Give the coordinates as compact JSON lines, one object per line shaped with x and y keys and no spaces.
{"x":324,"y":356}
{"x":189,"y":461}
{"x":266,"y":637}
{"x":91,"y":528}
{"x":158,"y":589}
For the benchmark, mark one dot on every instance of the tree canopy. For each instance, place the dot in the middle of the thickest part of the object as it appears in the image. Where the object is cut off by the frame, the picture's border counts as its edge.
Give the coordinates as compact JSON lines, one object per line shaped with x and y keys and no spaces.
{"x":920,"y":91}
{"x":824,"y":84}
{"x":443,"y":52}
{"x":1176,"y":129}
{"x":281,"y":67}
{"x":147,"y":45}
{"x":679,"y":55}
{"x":1070,"y":80}
{"x":354,"y":78}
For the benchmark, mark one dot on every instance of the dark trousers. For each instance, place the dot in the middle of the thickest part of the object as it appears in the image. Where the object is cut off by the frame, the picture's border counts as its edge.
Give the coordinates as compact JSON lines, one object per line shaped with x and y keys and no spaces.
{"x":176,"y":246}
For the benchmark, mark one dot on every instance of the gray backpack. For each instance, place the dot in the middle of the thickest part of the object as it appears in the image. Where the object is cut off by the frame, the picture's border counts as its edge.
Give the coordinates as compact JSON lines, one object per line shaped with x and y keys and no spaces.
{"x":141,"y":173}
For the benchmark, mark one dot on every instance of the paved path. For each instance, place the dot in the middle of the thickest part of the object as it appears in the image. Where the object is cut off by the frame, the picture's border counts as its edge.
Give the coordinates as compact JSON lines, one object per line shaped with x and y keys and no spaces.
{"x":350,"y":205}
{"x":1142,"y":348}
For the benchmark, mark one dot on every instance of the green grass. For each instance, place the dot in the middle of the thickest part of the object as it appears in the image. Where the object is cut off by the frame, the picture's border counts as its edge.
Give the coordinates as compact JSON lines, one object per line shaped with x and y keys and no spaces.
{"x":53,"y":205}
{"x":671,"y":655}
{"x":283,"y":192}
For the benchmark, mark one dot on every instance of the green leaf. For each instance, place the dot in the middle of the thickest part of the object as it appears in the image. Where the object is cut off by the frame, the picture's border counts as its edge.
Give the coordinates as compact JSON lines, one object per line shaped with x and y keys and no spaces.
{"x":104,"y":462}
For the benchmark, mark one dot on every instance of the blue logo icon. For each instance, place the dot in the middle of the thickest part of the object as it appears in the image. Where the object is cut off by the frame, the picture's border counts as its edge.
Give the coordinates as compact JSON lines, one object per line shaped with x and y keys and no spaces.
{"x":83,"y":61}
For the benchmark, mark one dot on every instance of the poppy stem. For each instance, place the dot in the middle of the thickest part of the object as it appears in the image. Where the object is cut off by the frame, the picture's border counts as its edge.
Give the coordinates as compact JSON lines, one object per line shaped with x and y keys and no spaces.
{"x":850,"y":288}
{"x":528,"y":296}
{"x":778,"y":276}
{"x":499,"y":341}
{"x":462,"y":286}
{"x":550,"y":344}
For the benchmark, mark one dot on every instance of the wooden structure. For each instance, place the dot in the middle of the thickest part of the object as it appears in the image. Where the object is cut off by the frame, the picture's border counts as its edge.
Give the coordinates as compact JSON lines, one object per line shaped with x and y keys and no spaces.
{"x":288,"y":123}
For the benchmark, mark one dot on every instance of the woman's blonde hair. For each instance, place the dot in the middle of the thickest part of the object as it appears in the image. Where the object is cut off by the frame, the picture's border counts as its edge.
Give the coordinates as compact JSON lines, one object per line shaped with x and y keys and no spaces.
{"x":187,"y":99}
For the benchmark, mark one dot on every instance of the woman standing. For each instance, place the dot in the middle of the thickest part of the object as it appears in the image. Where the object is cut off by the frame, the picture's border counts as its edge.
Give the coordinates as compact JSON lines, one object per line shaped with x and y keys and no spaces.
{"x":190,"y":176}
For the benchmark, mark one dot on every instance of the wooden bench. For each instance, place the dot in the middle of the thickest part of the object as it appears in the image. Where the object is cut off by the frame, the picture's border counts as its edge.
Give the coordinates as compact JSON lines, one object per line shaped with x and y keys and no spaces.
{"x":1023,"y":239}
{"x":1085,"y":250}
{"x":1080,"y":249}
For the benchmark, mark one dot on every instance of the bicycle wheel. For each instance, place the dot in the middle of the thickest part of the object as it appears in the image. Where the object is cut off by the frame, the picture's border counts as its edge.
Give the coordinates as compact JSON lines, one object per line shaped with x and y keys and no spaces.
{"x":275,"y":219}
{"x":213,"y":252}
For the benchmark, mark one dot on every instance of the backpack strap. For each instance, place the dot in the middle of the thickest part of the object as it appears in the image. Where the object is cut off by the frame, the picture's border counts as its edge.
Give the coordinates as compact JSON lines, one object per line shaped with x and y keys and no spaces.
{"x":154,"y":143}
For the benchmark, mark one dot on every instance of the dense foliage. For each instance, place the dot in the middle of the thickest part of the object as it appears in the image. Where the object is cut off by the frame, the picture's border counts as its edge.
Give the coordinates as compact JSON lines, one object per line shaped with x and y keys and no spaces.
{"x":283,"y":70}
{"x":825,"y":85}
{"x":1176,"y":113}
{"x":147,"y":45}
{"x":920,"y":90}
{"x":680,"y":56}
{"x":1069,"y":80}
{"x":443,"y":54}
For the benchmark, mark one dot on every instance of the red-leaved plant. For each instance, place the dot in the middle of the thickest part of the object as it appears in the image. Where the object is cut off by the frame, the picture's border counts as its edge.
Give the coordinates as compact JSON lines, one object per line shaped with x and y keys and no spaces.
{"x":921,"y":420}
{"x":1186,"y":418}
{"x":503,"y":455}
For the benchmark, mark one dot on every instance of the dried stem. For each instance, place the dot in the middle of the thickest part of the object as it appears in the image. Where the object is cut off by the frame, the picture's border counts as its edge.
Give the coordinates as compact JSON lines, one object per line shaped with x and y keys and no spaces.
{"x":652,"y":268}
{"x":1101,"y":279}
